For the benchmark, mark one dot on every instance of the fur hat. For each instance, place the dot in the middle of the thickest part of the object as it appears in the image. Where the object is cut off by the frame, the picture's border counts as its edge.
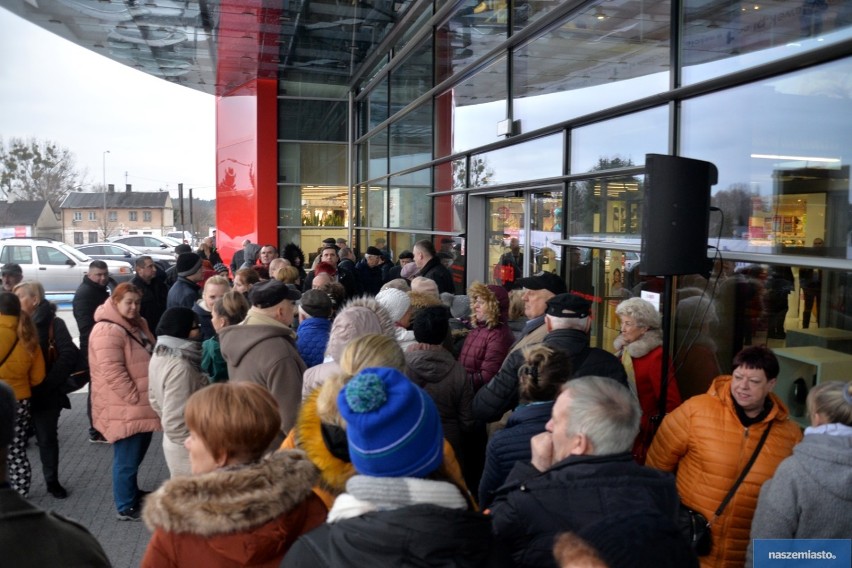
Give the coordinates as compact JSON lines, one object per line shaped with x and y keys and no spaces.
{"x":188,"y":263}
{"x":396,"y":302}
{"x":392,"y":425}
{"x":177,"y":322}
{"x":425,"y":286}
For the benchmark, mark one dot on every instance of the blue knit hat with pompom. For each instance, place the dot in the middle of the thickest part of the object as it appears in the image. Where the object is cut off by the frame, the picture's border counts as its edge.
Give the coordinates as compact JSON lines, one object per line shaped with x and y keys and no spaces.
{"x":392,"y":425}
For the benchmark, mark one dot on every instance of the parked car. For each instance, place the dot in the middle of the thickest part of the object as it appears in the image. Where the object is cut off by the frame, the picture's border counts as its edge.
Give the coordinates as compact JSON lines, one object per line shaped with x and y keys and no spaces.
{"x":182,"y":237}
{"x":127,"y":253}
{"x":60,"y":268}
{"x":148,"y":244}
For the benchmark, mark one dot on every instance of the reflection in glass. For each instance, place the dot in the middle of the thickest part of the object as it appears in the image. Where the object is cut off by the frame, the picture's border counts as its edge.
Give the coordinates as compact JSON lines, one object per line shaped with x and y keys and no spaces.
{"x":450,"y":211}
{"x":784,"y":173}
{"x":411,"y":139}
{"x":312,"y":163}
{"x":606,"y":208}
{"x":324,"y":206}
{"x":506,"y":238}
{"x":473,"y":29}
{"x":412,"y":77}
{"x":410,"y":203}
{"x":305,"y":119}
{"x":377,"y":105}
{"x":377,"y":154}
{"x":603,"y":56}
{"x":721,"y":37}
{"x":545,"y":227}
{"x":377,"y":205}
{"x":619,"y":142}
{"x":536,"y":159}
{"x":472,"y":110}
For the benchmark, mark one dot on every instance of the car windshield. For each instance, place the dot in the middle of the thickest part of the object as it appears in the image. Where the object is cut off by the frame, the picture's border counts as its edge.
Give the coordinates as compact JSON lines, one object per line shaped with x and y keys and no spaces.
{"x":127,"y":248}
{"x":71,"y":251}
{"x":171,"y":241}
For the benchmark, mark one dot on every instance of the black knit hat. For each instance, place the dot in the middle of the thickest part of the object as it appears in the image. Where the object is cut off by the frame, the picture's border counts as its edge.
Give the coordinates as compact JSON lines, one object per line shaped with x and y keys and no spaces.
{"x":431,"y":325}
{"x":182,"y":248}
{"x":177,"y":322}
{"x":188,"y":264}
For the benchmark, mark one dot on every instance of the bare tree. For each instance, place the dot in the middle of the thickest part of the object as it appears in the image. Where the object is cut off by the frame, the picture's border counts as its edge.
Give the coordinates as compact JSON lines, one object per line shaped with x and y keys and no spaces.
{"x":37,"y":169}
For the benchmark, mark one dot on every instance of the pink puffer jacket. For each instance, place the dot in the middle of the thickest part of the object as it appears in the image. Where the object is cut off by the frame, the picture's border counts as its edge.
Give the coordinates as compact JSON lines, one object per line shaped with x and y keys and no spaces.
{"x":119,"y":370}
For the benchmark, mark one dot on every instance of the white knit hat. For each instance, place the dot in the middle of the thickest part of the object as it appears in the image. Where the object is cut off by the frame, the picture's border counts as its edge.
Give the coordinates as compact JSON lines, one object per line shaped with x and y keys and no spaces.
{"x":396,"y":302}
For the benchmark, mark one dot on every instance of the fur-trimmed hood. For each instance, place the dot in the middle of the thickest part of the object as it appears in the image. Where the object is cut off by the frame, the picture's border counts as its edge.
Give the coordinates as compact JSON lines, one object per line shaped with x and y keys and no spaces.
{"x":496,"y":304}
{"x":334,"y":470}
{"x":232,"y":499}
{"x":649,"y":341}
{"x":292,"y":252}
{"x":359,"y":316}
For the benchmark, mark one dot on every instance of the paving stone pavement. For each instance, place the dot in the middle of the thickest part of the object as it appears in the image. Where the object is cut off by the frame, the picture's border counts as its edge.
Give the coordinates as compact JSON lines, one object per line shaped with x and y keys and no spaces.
{"x":85,"y":470}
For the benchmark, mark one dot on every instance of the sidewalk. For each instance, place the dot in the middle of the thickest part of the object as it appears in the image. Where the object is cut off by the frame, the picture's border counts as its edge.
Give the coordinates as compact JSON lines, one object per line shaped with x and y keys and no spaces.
{"x":85,"y":470}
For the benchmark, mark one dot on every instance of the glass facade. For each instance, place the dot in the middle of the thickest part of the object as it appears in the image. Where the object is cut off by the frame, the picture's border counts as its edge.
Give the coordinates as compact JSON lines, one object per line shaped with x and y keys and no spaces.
{"x":517,"y":131}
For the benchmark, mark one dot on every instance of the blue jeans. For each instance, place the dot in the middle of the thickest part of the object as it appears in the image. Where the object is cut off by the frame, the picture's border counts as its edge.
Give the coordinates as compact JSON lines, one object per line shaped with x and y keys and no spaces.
{"x":127,"y":455}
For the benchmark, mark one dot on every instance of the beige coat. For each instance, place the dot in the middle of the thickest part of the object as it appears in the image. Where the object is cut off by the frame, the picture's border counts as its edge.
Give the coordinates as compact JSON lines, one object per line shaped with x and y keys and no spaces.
{"x":119,"y":370}
{"x":174,"y":374}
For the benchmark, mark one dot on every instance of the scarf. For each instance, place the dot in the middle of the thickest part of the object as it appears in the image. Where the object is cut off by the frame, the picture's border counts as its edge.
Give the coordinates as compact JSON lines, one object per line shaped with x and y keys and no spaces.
{"x":365,"y":494}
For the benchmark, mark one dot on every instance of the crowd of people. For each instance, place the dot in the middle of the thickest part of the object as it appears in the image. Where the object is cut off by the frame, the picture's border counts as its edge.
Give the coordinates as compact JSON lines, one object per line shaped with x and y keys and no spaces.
{"x":360,"y":412}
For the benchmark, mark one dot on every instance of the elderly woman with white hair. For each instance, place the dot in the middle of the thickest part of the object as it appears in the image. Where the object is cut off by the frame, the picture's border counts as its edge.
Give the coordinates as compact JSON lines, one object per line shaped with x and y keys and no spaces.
{"x":640,"y":347}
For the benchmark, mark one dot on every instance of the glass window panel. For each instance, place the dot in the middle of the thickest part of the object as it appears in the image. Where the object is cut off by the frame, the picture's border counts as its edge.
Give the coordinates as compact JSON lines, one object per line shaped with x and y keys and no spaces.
{"x":377,"y":205}
{"x":377,"y":154}
{"x":412,"y":30}
{"x":447,"y":175}
{"x":451,"y":213}
{"x":305,"y":119}
{"x":413,"y":77}
{"x":377,"y":102}
{"x":545,"y":227}
{"x":410,"y":203}
{"x":536,"y":159}
{"x":591,"y":63}
{"x":296,"y":85}
{"x":312,"y":163}
{"x":619,"y":142}
{"x":506,"y":226}
{"x":472,"y":110}
{"x":783,"y":173}
{"x":605,"y":208}
{"x":411,"y":139}
{"x":721,"y":37}
{"x":471,"y":30}
{"x":313,"y":206}
{"x":526,"y":12}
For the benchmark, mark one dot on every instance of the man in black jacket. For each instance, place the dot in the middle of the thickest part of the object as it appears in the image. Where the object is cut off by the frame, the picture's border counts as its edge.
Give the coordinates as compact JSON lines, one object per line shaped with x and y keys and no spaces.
{"x":581,"y":472}
{"x":91,"y":293}
{"x":343,"y":276}
{"x":430,"y":266}
{"x":568,"y":324}
{"x":154,"y":291}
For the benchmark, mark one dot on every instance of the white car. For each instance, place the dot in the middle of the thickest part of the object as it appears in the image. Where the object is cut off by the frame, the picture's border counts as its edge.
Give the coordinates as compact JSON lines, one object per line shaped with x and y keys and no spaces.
{"x":149,"y":244}
{"x":60,"y":268}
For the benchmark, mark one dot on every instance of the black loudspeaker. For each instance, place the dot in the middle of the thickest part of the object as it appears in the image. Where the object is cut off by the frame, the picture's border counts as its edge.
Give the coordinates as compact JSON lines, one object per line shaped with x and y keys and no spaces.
{"x":675,"y":215}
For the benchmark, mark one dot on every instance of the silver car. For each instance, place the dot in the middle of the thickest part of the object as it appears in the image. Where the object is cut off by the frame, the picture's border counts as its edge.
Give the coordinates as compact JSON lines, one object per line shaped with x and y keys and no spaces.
{"x":149,"y":244}
{"x":121,"y":251}
{"x":60,"y":268}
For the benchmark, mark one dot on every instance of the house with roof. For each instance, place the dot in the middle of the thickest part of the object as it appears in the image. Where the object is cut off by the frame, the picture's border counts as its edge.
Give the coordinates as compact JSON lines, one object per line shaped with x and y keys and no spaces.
{"x":96,"y":217}
{"x":35,"y":219}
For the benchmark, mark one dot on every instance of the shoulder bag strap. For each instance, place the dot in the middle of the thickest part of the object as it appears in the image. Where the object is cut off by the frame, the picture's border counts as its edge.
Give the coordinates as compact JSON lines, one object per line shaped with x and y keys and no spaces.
{"x":3,"y":362}
{"x":745,"y":471}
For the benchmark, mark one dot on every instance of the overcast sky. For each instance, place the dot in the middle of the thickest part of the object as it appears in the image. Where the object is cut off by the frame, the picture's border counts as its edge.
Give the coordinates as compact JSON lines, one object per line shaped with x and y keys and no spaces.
{"x":158,"y":133}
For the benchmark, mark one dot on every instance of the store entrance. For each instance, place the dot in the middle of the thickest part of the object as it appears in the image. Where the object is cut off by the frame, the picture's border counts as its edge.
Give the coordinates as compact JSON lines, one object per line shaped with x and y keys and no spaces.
{"x":520,"y":230}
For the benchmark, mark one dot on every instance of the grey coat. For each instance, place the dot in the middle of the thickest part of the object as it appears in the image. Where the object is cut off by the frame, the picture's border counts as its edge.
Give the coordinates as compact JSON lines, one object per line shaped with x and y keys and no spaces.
{"x":810,"y":495}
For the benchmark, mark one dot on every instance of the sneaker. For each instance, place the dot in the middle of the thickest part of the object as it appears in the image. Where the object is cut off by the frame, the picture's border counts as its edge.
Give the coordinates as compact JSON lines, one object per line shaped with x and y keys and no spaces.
{"x":57,"y":490}
{"x":131,"y":514}
{"x":97,"y":438}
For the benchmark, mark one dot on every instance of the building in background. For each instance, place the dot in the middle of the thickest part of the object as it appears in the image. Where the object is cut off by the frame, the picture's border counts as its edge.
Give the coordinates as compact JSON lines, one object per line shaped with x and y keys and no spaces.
{"x":96,"y":217}
{"x":35,"y":219}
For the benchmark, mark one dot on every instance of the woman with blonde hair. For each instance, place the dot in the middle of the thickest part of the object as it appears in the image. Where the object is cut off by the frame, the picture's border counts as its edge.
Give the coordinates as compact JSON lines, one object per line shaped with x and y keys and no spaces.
{"x":60,"y":356}
{"x":230,"y":309}
{"x":490,"y":339}
{"x":810,"y":494}
{"x":22,"y":368}
{"x":239,"y":507}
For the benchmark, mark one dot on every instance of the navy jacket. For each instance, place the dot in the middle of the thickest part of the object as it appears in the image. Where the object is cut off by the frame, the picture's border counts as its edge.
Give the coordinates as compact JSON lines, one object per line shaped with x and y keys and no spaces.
{"x":183,"y":294}
{"x":312,"y":339}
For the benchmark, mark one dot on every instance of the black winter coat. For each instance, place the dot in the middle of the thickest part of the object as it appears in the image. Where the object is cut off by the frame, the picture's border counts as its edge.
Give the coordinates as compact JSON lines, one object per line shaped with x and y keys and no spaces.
{"x":370,"y":278}
{"x":86,"y":300}
{"x":49,"y":394}
{"x":436,"y":271}
{"x":533,"y":507}
{"x":154,"y":298}
{"x":501,"y":393}
{"x":344,"y":277}
{"x":510,"y":445}
{"x":417,"y":535}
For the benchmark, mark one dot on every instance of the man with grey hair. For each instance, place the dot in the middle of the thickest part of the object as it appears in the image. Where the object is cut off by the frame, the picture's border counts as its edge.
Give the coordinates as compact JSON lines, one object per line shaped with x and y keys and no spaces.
{"x":581,"y":471}
{"x":60,"y":542}
{"x":567,"y":318}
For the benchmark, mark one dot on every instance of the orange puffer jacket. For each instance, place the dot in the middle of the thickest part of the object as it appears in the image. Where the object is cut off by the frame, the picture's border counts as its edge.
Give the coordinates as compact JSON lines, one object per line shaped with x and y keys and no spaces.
{"x":705,"y":443}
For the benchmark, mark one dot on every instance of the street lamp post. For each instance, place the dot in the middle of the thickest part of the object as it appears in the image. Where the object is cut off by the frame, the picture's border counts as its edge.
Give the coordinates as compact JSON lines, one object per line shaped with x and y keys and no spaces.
{"x":105,"y":193}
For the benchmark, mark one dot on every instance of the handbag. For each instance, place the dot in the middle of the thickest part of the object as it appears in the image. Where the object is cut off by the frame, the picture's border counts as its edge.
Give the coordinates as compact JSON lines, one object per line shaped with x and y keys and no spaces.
{"x":695,"y":527}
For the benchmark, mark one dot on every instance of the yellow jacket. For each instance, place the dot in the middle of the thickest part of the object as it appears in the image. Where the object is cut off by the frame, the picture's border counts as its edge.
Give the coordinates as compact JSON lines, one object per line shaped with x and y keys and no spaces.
{"x":705,"y":443}
{"x":23,"y":369}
